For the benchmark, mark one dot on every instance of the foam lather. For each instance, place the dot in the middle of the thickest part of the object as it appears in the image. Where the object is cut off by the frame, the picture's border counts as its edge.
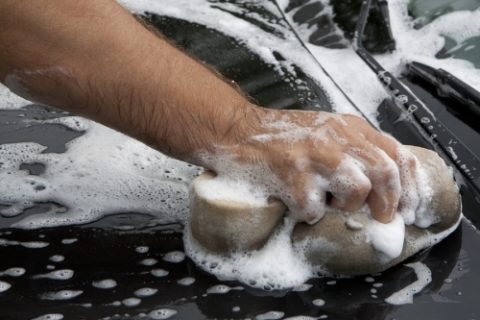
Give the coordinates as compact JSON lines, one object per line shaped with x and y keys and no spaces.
{"x":341,"y":243}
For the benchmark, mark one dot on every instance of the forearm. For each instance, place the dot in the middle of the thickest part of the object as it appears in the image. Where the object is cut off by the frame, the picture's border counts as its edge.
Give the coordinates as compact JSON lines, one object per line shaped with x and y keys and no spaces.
{"x":93,"y":58}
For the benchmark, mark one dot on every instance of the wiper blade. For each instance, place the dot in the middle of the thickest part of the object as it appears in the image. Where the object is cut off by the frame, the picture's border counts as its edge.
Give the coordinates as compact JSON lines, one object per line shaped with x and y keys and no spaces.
{"x":449,"y":86}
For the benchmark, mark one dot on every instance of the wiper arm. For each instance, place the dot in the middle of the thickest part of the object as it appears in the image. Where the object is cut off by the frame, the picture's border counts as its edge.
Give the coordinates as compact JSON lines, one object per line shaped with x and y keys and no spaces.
{"x":449,"y":86}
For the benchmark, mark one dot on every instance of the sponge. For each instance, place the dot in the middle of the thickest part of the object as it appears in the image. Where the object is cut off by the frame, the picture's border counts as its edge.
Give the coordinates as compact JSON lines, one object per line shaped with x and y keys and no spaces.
{"x":341,"y":243}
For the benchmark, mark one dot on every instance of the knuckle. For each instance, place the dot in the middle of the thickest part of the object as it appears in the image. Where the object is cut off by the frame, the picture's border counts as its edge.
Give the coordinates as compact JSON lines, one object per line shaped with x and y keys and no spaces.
{"x":388,"y":173}
{"x":412,"y":162}
{"x":362,"y":188}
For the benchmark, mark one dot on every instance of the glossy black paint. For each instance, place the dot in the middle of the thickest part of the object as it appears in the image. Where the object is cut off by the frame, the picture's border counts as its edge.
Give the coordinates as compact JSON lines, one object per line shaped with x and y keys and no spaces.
{"x":106,"y":248}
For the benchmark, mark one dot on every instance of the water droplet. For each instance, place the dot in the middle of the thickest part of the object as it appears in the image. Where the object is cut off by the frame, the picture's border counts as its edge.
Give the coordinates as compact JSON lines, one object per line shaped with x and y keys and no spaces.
{"x":61,"y":295}
{"x":160,"y":314}
{"x":270,"y":315}
{"x":57,"y":258}
{"x":174,"y":257}
{"x":148,"y":262}
{"x":69,"y":241}
{"x":131,"y":302}
{"x":159,"y":273}
{"x":187,"y":281}
{"x":50,"y":316}
{"x":145,"y":292}
{"x":318,"y":302}
{"x":105,"y":284}
{"x":142,"y":249}
{"x":4,"y":286}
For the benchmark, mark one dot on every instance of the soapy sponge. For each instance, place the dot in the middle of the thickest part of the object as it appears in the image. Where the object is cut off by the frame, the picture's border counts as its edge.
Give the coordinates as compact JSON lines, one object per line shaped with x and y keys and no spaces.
{"x":341,"y":243}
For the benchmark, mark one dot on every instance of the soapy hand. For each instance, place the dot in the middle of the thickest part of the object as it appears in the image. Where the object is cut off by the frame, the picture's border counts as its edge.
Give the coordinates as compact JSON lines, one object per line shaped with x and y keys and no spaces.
{"x":311,"y":159}
{"x":177,"y":105}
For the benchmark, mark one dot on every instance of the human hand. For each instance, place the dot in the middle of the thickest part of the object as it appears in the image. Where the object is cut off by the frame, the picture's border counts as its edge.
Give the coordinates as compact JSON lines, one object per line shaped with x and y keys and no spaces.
{"x":311,"y":159}
{"x":188,"y":112}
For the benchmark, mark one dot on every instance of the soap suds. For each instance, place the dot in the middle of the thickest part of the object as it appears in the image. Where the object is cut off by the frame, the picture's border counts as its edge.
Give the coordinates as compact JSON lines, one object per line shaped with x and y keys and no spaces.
{"x":228,"y":189}
{"x":174,"y":257}
{"x":131,"y":302}
{"x":318,"y":302}
{"x":405,"y":295}
{"x":4,"y":286}
{"x":69,"y":241}
{"x":187,"y":281}
{"x":142,"y":180}
{"x":148,"y":262}
{"x":270,"y":315}
{"x":277,"y":265}
{"x":13,"y":272}
{"x":302,"y":288}
{"x":145,"y":292}
{"x":142,"y":249}
{"x":387,"y":238}
{"x":159,"y":273}
{"x":222,"y":289}
{"x":9,"y":100}
{"x":160,"y":314}
{"x":57,"y":258}
{"x":28,"y":244}
{"x":61,"y":295}
{"x":105,"y":284}
{"x":65,"y":274}
{"x":50,"y":316}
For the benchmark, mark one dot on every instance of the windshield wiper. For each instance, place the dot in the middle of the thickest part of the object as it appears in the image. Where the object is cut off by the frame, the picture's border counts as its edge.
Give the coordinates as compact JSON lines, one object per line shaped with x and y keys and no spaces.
{"x":449,"y":86}
{"x":431,"y":128}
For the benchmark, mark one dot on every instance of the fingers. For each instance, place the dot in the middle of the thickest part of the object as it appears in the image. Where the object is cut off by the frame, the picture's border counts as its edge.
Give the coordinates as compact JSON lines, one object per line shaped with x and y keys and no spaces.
{"x":394,"y":184}
{"x":408,"y":170}
{"x":386,"y":190}
{"x":349,"y":186}
{"x":365,"y":173}
{"x":306,"y":197}
{"x":383,"y":204}
{"x":359,"y":165}
{"x":410,"y":198}
{"x":384,"y":177}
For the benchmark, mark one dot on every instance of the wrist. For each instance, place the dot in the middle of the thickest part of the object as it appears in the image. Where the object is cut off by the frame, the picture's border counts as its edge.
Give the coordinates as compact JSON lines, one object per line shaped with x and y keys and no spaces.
{"x":234,"y":130}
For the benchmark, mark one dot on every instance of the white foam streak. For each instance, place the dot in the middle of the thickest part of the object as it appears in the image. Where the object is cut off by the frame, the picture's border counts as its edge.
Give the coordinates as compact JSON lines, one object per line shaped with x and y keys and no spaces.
{"x":276,"y":266}
{"x":141,"y":179}
{"x":164,"y":313}
{"x":64,"y":274}
{"x":228,"y":189}
{"x":13,"y":272}
{"x":423,"y":44}
{"x":50,"y":316}
{"x":4,"y":286}
{"x":61,"y":295}
{"x":387,"y":238}
{"x":9,"y":100}
{"x":259,"y":41}
{"x":405,"y":295}
{"x":105,"y":284}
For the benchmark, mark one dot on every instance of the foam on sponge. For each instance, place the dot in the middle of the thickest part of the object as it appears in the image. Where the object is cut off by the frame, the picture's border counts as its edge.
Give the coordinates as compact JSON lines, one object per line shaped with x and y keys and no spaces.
{"x":249,"y":240}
